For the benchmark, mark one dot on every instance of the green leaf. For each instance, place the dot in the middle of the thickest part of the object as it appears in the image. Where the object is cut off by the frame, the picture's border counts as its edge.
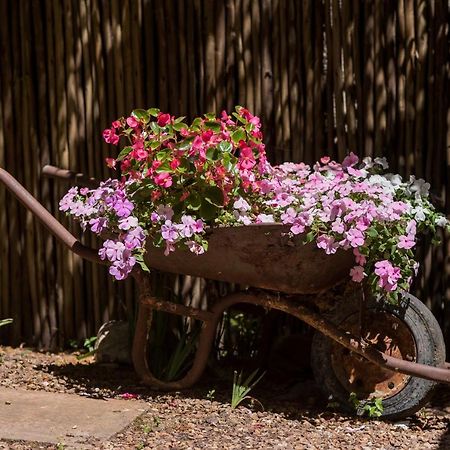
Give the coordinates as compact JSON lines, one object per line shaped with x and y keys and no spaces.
{"x":212,"y":154}
{"x":196,"y":122}
{"x":238,"y":135}
{"x":155,"y":127}
{"x":154,"y":145}
{"x":214,"y":195}
{"x":211,"y":125}
{"x":179,"y":119}
{"x":124,"y":153}
{"x":185,"y":144}
{"x":208,"y":211}
{"x":164,"y":167}
{"x":310,"y":236}
{"x":179,"y":126}
{"x":194,"y":201}
{"x":153,"y":112}
{"x":141,"y":114}
{"x":372,"y":232}
{"x":225,"y":147}
{"x":228,"y":161}
{"x":210,"y":116}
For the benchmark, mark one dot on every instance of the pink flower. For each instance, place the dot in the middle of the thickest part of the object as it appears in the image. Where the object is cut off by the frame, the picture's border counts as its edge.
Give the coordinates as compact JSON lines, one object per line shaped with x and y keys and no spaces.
{"x":110,"y":136}
{"x":116,"y":124}
{"x":163,"y":179}
{"x":359,"y":258}
{"x":163,"y":119}
{"x":350,"y":160}
{"x":389,"y":275}
{"x":354,"y":237}
{"x":128,"y":396}
{"x":357,"y":274}
{"x":337,"y":226}
{"x":246,"y":158}
{"x":327,"y":243}
{"x":132,"y":122}
{"x":406,"y":242}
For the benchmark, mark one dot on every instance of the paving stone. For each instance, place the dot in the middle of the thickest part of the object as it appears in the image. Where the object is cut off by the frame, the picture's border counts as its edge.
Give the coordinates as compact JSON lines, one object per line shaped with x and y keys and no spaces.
{"x":63,"y":418}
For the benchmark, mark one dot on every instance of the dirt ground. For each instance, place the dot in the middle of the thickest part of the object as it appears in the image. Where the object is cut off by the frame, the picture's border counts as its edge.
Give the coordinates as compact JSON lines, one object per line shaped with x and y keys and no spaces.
{"x":286,"y":416}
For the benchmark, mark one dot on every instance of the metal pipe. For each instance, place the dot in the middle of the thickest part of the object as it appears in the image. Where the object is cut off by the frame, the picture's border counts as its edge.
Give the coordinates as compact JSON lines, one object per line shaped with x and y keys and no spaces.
{"x":68,"y":175}
{"x":52,"y":224}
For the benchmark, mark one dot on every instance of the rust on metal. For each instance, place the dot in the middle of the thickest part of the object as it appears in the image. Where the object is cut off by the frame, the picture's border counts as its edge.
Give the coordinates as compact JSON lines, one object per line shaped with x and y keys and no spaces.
{"x":387,"y":334}
{"x":261,"y":256}
{"x":264,"y":256}
{"x":52,"y":224}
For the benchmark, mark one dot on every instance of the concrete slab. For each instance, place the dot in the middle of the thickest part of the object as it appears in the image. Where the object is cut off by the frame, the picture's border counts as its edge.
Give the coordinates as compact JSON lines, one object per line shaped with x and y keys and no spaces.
{"x":63,"y":418}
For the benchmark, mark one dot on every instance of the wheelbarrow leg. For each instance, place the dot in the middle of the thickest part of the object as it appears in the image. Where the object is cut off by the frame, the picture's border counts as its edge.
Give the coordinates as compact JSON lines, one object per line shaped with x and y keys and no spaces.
{"x":140,"y":351}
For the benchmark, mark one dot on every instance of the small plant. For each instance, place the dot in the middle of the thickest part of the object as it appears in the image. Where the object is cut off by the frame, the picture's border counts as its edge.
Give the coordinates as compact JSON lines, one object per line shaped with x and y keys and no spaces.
{"x":242,"y":388}
{"x":88,"y":347}
{"x":4,"y":322}
{"x":210,"y":394}
{"x":372,"y":408}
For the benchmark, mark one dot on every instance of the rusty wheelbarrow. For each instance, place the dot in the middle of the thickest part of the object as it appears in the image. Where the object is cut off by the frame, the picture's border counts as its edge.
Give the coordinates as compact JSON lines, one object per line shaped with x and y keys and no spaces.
{"x":361,"y":345}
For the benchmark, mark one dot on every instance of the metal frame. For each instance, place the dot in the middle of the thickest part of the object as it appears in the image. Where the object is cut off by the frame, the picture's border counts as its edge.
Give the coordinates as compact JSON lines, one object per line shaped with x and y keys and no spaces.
{"x":296,"y":305}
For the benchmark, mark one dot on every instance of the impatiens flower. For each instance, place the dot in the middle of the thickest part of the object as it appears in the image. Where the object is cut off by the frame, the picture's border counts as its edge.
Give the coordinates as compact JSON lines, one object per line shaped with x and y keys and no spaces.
{"x":169,"y":231}
{"x":265,"y":218}
{"x":163,"y":179}
{"x":350,"y":160}
{"x":98,"y":224}
{"x":357,"y":274}
{"x":123,"y":207}
{"x":241,"y":205}
{"x":406,"y":242}
{"x":165,"y":212}
{"x":128,"y":222}
{"x":110,"y":136}
{"x":195,"y":247}
{"x":354,"y":237}
{"x":328,"y":244}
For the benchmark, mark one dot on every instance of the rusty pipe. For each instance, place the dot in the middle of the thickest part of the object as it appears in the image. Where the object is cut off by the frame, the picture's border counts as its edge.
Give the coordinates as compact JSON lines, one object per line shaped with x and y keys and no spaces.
{"x":68,"y":175}
{"x":56,"y":228}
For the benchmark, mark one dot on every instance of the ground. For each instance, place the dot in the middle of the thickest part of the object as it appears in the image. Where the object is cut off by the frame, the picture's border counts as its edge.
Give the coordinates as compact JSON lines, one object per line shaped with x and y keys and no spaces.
{"x":286,"y":416}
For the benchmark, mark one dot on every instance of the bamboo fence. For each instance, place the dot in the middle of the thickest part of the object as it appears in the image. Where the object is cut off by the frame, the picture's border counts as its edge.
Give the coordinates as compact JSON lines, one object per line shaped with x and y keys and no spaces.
{"x":326,"y":77}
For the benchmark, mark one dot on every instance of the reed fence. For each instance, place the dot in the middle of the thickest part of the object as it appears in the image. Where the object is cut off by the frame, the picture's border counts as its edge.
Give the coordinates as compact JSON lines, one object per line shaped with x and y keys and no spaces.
{"x":326,"y":77}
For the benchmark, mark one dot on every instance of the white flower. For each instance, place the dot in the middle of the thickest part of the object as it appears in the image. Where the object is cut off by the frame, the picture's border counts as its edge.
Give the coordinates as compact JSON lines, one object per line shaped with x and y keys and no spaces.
{"x":418,"y":187}
{"x":441,"y":221}
{"x":241,"y":205}
{"x":368,"y":163}
{"x":419,"y":213}
{"x":382,"y":162}
{"x":395,"y":179}
{"x":266,"y":218}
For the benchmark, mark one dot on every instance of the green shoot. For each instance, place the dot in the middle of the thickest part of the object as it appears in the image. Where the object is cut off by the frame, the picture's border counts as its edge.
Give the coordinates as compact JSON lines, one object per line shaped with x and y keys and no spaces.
{"x":241,"y":388}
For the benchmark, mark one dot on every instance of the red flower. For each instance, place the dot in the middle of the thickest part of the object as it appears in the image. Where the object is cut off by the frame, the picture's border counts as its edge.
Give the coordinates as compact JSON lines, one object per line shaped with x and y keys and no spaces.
{"x":163,"y":119}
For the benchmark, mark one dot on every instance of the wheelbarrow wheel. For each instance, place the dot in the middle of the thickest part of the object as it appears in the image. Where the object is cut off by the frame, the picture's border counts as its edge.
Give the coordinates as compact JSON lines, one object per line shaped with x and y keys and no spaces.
{"x":408,"y":331}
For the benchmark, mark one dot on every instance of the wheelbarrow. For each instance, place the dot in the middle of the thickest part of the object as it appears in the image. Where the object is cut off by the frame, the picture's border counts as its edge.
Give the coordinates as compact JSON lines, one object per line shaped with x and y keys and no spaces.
{"x":361,"y":345}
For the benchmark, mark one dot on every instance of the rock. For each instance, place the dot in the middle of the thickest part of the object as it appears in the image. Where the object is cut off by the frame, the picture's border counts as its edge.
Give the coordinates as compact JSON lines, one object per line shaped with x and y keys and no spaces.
{"x":113,"y":344}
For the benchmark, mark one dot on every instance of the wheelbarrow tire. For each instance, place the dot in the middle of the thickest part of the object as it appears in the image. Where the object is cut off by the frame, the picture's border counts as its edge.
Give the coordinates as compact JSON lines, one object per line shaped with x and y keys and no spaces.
{"x":429,"y":348}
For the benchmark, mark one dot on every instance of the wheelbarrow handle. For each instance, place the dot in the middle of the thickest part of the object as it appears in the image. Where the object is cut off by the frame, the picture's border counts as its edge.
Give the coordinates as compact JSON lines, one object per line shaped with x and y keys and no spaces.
{"x":64,"y":174}
{"x":52,"y":224}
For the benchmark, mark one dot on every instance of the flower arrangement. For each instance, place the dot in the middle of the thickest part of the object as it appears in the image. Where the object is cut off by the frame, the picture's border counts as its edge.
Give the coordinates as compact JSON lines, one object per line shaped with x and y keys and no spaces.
{"x":177,"y":179}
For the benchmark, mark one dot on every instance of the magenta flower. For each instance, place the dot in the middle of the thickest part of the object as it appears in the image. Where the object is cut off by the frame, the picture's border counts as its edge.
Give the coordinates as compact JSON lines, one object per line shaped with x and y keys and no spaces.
{"x":110,"y":136}
{"x":132,"y":122}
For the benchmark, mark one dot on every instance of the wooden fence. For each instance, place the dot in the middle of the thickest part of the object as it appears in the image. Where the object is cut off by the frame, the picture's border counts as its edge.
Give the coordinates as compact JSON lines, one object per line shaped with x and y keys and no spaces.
{"x":326,"y":76}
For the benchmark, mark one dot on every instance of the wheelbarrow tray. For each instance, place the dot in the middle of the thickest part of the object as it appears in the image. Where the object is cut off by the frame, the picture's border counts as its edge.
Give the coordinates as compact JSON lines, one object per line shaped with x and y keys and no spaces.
{"x":264,"y":256}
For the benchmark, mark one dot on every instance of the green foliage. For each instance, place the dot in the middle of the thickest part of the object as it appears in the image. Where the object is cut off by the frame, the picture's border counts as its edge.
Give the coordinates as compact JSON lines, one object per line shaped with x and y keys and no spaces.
{"x":241,"y":389}
{"x":372,"y":408}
